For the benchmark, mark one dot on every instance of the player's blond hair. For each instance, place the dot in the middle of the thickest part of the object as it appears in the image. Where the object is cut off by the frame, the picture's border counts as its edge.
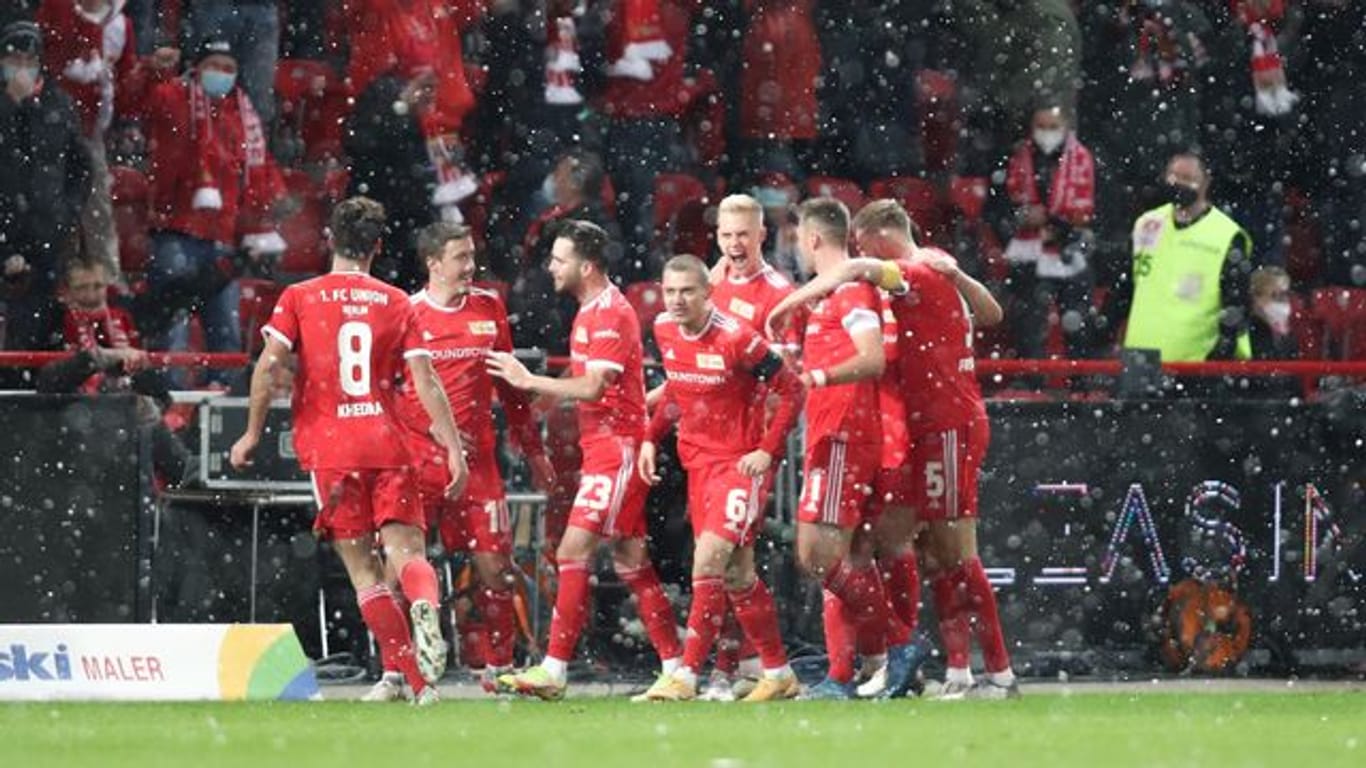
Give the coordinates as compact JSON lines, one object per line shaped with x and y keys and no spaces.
{"x":828,"y":215}
{"x":741,"y":203}
{"x":689,"y":264}
{"x":884,"y":214}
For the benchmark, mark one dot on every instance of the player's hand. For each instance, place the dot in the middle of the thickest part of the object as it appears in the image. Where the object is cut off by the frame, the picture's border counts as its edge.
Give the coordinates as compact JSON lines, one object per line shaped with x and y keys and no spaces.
{"x":755,"y":463}
{"x":645,"y":464}
{"x":542,"y":472}
{"x":240,"y":455}
{"x":460,"y":474}
{"x":508,"y":368}
{"x":944,"y":265}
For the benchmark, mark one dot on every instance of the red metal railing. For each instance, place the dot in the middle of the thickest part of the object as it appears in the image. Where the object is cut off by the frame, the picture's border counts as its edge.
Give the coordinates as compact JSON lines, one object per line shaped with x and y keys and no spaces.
{"x":986,"y":367}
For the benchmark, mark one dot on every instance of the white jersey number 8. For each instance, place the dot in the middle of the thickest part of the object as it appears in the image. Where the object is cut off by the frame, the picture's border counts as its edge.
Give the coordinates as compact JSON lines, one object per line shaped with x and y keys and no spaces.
{"x":354,"y":340}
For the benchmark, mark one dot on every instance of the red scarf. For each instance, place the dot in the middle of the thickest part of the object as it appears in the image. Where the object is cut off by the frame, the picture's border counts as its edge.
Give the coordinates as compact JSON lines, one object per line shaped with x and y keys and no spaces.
{"x":84,"y":329}
{"x":562,"y":65}
{"x":635,"y":38}
{"x":1260,"y":17}
{"x":1072,"y":196}
{"x":204,"y":139}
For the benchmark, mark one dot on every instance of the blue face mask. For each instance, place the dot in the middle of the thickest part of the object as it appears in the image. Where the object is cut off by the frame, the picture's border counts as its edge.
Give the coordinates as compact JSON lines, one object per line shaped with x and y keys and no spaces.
{"x":216,"y":83}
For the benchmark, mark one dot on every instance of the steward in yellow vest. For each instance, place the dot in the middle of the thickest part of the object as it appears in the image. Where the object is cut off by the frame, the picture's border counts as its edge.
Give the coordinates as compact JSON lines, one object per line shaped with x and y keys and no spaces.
{"x":1187,"y":293}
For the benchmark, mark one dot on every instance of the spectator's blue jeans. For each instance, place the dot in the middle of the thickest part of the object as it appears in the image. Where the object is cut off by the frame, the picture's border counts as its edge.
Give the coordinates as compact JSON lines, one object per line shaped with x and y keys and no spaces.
{"x":254,"y":30}
{"x":177,"y":257}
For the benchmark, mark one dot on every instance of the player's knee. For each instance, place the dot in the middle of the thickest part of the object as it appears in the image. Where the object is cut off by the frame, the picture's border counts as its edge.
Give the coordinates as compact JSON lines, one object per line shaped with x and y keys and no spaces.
{"x":740,"y":579}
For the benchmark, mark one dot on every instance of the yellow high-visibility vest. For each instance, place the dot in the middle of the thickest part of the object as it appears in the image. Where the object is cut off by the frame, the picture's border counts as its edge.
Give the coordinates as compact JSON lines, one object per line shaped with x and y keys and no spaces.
{"x":1176,"y":275}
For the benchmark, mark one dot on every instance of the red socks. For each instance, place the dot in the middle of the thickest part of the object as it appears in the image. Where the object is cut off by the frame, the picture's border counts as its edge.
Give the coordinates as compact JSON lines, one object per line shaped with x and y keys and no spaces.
{"x":500,"y":625}
{"x":418,"y":581}
{"x":966,"y":606}
{"x":704,"y":620}
{"x":839,"y":638}
{"x":861,"y":590}
{"x":986,"y":622}
{"x":903,"y":588}
{"x":571,"y":605}
{"x":756,"y":613}
{"x":655,"y":611}
{"x":390,"y":628}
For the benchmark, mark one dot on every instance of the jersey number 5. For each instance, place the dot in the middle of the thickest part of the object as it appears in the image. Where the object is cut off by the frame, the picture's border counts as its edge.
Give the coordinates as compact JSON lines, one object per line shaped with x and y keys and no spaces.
{"x":354,"y":340}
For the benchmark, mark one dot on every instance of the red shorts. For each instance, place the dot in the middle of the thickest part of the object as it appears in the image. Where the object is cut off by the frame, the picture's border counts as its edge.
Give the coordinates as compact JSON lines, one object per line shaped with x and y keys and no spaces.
{"x":475,"y":522}
{"x":355,"y":503}
{"x":892,"y":488}
{"x":838,"y":482}
{"x":611,"y":497}
{"x":724,"y":502}
{"x":943,"y":471}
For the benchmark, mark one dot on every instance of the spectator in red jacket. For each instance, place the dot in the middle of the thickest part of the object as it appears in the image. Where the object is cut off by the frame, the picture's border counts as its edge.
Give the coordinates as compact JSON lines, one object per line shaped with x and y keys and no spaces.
{"x":406,"y":38}
{"x":90,"y":53}
{"x":213,"y":187}
{"x":777,"y":100}
{"x":252,"y":27}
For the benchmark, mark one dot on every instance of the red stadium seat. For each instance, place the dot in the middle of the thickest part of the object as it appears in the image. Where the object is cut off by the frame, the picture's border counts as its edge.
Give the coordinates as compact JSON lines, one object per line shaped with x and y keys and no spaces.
{"x":255,"y":306}
{"x":843,"y":190}
{"x":302,"y":230}
{"x":690,"y":232}
{"x":1343,"y":313}
{"x":647,"y":298}
{"x":132,"y":215}
{"x":969,"y":195}
{"x":920,"y":199}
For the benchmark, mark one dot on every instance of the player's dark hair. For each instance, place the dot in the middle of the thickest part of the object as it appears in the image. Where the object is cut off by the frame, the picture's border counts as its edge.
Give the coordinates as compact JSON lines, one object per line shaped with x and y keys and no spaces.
{"x":690,"y":264}
{"x":886,"y":214}
{"x":589,"y":241}
{"x":1192,"y":154}
{"x":432,"y":239}
{"x":357,"y":226}
{"x":827,"y":215}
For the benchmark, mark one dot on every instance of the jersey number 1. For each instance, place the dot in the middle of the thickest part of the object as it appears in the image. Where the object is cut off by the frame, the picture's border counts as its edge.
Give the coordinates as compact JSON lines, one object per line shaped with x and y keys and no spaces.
{"x":354,"y":340}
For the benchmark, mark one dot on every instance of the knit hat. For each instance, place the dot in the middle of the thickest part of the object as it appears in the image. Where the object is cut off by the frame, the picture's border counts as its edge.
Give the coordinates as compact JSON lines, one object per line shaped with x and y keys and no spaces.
{"x":21,"y":37}
{"x":214,"y":46}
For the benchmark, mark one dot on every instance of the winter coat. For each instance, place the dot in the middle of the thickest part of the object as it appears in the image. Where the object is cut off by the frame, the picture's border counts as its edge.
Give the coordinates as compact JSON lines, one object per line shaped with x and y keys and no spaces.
{"x":180,"y":168}
{"x":782,"y":63}
{"x":45,"y":181}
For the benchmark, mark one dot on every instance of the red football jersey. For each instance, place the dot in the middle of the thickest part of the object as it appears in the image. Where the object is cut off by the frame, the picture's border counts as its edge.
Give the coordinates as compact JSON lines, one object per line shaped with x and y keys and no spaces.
{"x":895,"y":437}
{"x":750,"y":299}
{"x":936,"y":360}
{"x":606,"y":335}
{"x":846,"y":411}
{"x":459,"y":338}
{"x":351,"y":333}
{"x":714,"y":380}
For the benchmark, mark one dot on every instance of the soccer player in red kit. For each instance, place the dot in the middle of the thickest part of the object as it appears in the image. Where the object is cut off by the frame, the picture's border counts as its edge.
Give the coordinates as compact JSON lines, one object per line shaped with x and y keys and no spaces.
{"x":351,"y":334}
{"x":459,"y":323}
{"x":716,"y":371}
{"x":948,"y":428}
{"x":842,"y":358}
{"x":746,"y":287}
{"x":607,"y":378}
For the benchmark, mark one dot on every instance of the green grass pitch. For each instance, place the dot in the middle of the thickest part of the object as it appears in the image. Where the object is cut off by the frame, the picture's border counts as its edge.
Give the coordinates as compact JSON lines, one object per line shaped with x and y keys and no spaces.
{"x":1299,"y":730}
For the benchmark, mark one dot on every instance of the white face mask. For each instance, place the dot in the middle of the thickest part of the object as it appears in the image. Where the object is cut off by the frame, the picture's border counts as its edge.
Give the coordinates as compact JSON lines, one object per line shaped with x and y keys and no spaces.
{"x":1277,"y":314}
{"x":1049,"y":139}
{"x":548,"y":189}
{"x":24,"y":77}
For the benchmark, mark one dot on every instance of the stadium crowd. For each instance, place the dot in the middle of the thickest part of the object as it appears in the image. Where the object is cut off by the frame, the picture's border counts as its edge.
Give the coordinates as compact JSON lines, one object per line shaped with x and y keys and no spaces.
{"x":193,"y":148}
{"x":1190,"y":171}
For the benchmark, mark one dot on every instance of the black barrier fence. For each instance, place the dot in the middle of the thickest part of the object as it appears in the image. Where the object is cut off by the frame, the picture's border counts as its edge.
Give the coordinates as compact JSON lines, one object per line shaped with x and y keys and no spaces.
{"x":75,"y":506}
{"x":1091,"y":512}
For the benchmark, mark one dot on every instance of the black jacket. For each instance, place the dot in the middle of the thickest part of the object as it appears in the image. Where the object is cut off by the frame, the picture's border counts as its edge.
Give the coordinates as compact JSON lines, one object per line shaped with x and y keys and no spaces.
{"x":44,"y":182}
